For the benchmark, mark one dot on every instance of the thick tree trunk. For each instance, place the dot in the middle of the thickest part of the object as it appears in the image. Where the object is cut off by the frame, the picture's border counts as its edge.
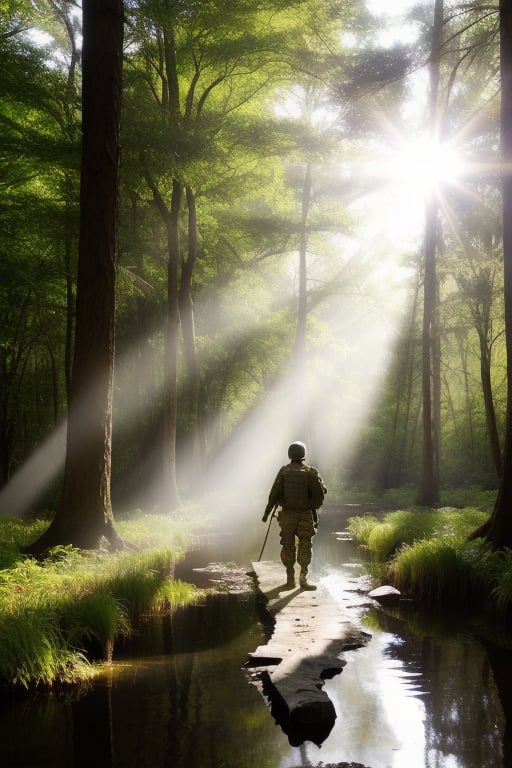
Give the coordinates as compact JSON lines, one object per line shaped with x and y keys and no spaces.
{"x":499,"y":528}
{"x":85,"y":512}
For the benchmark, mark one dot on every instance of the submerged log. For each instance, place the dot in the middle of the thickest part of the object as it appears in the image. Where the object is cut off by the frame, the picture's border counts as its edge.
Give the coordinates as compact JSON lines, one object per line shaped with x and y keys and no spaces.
{"x":309,"y":633}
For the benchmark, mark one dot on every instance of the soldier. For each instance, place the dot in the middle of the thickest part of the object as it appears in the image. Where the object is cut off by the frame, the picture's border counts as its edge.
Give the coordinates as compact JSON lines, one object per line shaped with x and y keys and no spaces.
{"x":299,"y":490}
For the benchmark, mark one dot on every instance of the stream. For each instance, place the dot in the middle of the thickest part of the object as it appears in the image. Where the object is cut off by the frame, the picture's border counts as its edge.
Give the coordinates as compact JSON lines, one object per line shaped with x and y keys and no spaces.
{"x":420,"y":695}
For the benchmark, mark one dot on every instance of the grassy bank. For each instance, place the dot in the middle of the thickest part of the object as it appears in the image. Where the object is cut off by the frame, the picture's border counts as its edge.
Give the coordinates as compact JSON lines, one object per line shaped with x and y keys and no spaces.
{"x":59,"y":615}
{"x":425,"y":554}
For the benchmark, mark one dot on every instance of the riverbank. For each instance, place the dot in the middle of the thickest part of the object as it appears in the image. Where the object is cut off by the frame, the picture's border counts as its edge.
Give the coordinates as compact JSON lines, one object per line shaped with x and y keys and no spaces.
{"x":426,"y":555}
{"x":177,"y":692}
{"x":61,"y":615}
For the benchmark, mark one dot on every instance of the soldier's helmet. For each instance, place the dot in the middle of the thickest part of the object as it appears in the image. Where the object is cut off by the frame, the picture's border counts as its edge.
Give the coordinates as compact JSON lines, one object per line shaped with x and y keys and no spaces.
{"x":297,"y":451}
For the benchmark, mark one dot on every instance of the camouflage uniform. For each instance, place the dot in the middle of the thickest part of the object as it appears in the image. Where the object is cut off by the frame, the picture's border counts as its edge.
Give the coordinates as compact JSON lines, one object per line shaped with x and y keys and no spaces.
{"x":298,"y":490}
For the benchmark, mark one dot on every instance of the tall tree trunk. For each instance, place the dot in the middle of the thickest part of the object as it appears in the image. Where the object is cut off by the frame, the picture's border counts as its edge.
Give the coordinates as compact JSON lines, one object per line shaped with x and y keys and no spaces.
{"x":402,"y":420}
{"x":70,"y":314}
{"x":429,"y":487}
{"x":490,"y":413}
{"x":69,"y":229}
{"x":6,"y":430}
{"x":468,"y":405}
{"x":499,"y":527}
{"x":436,"y":386}
{"x":186,"y":306}
{"x":428,"y":492}
{"x":85,"y":512}
{"x":169,"y":496}
{"x":299,"y":420}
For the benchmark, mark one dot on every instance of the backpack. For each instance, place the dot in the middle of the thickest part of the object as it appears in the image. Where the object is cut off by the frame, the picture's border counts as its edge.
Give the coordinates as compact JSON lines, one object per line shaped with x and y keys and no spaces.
{"x":301,"y":487}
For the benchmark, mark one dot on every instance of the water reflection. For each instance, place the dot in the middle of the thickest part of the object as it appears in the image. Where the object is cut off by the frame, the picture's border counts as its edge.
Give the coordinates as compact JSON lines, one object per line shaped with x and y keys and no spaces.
{"x":403,"y":702}
{"x":179,"y":695}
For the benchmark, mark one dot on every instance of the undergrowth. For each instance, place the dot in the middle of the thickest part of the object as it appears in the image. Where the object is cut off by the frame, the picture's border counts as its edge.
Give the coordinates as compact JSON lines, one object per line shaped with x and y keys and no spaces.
{"x":52,"y":613}
{"x":426,"y":555}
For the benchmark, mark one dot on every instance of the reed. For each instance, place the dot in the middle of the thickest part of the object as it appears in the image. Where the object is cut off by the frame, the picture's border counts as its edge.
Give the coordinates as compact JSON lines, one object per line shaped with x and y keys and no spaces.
{"x":361,"y":528}
{"x":51,"y":611}
{"x":425,"y":554}
{"x":400,"y":527}
{"x":98,"y":618}
{"x":33,"y":652}
{"x":138,"y":580}
{"x":437,"y":570}
{"x":383,"y":541}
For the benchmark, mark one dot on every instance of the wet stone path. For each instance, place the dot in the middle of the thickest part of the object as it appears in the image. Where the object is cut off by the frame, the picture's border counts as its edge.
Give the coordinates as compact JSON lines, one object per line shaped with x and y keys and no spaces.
{"x":310,"y":633}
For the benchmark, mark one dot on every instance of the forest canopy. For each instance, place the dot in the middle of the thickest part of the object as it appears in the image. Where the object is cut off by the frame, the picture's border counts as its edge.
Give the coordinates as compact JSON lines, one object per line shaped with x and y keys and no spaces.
{"x":285,"y":165}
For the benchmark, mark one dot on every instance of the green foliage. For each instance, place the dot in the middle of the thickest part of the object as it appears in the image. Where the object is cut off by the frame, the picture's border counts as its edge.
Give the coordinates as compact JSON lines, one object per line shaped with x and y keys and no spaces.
{"x":361,"y":528}
{"x":149,"y":531}
{"x":16,"y":533}
{"x":97,"y":616}
{"x":469,"y":498}
{"x":496,"y":569}
{"x":52,"y":610}
{"x":33,"y":651}
{"x":136,"y":580}
{"x":208,"y":118}
{"x":403,"y":527}
{"x":426,"y":555}
{"x":437,"y":570}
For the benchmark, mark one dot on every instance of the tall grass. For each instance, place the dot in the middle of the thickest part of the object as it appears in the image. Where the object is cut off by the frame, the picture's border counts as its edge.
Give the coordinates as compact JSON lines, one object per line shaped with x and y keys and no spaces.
{"x":361,"y":528}
{"x":57,"y":615}
{"x":437,"y":570}
{"x":384,"y":538}
{"x":426,"y":555}
{"x":33,"y":652}
{"x":98,"y":618}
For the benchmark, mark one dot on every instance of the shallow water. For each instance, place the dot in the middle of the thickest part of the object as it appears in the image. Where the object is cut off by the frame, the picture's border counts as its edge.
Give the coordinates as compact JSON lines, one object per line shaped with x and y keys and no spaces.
{"x":179,"y":696}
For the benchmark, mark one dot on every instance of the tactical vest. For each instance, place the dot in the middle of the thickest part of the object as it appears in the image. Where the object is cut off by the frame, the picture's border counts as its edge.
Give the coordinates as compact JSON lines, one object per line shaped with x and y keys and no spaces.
{"x":296,"y":487}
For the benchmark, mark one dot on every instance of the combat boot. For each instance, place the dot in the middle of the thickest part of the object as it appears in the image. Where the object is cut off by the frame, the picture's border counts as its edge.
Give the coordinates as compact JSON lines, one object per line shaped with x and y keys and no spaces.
{"x":290,"y":578}
{"x":304,"y":583}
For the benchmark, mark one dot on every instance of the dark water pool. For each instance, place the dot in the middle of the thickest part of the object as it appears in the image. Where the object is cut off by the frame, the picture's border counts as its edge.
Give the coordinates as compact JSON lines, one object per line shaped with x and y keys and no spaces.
{"x":180,"y":698}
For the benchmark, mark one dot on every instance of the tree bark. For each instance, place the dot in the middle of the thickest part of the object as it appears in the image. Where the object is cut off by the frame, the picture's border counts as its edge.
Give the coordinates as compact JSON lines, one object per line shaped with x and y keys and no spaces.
{"x":85,"y":512}
{"x":299,"y":352}
{"x":498,"y":529}
{"x":428,"y":492}
{"x":186,"y":306}
{"x":490,"y":412}
{"x":169,"y":491}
